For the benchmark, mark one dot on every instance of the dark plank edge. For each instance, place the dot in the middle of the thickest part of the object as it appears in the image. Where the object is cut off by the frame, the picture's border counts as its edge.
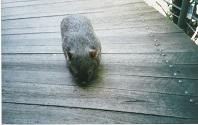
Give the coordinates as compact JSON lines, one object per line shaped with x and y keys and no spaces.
{"x":92,"y":109}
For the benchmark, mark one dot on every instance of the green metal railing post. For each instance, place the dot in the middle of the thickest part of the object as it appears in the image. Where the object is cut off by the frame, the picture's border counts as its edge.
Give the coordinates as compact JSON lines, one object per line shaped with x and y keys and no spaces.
{"x":182,"y":16}
{"x":176,"y":10}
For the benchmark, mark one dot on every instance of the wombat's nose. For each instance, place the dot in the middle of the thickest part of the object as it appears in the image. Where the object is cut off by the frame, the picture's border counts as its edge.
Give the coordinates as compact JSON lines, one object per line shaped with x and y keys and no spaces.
{"x":83,"y":78}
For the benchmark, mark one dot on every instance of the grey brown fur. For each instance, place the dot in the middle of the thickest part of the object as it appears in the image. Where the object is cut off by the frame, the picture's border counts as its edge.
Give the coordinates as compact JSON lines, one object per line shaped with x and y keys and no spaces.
{"x":81,"y":47}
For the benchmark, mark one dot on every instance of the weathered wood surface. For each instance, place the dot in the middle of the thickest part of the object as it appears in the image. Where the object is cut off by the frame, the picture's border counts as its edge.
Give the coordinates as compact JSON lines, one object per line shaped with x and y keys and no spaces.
{"x":23,"y":113}
{"x":149,"y":71}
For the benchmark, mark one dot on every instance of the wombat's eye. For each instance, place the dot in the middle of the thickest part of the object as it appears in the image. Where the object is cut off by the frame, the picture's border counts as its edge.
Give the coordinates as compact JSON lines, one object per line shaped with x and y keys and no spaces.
{"x":89,"y":72}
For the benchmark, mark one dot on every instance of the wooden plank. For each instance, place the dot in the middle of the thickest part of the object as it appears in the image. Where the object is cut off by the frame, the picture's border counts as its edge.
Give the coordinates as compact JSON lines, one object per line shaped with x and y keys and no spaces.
{"x":142,"y":29}
{"x":40,"y":114}
{"x":138,"y":47}
{"x":111,"y":11}
{"x":13,"y":1}
{"x":112,"y":67}
{"x":114,"y":38}
{"x":12,"y":4}
{"x":115,"y":48}
{"x":129,"y":24}
{"x":119,"y":35}
{"x":20,"y":67}
{"x":75,"y":6}
{"x":156,"y":85}
{"x":97,"y":19}
{"x":110,"y":99}
{"x":146,"y":58}
{"x":23,"y":3}
{"x":155,"y":70}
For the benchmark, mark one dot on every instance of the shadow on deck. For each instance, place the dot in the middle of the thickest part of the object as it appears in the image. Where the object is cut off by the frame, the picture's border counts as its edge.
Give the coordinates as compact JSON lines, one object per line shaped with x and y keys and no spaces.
{"x":149,"y":73}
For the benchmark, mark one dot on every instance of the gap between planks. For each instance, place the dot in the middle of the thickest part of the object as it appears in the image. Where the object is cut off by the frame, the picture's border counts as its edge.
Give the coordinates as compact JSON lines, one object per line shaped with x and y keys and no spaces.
{"x":92,"y":109}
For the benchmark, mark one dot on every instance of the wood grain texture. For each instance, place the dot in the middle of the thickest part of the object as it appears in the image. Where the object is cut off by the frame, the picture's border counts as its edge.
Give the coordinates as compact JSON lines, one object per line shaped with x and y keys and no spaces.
{"x":60,"y":9}
{"x":149,"y":70}
{"x":23,"y":3}
{"x":114,"y":67}
{"x":40,"y":114}
{"x":80,"y":6}
{"x":99,"y":20}
{"x":101,"y":98}
{"x":107,"y":38}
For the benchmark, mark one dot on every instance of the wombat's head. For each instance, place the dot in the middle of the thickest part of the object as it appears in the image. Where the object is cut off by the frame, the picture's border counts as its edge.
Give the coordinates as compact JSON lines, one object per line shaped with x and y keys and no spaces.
{"x":83,"y":67}
{"x":83,"y":54}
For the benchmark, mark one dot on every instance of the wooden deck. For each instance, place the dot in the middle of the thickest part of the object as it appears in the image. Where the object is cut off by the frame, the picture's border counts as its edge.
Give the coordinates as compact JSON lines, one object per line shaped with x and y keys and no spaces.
{"x":149,"y":71}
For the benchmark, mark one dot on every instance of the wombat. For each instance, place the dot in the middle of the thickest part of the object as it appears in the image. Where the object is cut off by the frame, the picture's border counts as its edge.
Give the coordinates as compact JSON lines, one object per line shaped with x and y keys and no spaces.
{"x":81,"y":47}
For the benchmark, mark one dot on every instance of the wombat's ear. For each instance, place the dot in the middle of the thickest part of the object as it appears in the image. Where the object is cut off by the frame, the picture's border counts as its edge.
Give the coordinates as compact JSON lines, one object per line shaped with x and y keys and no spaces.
{"x":93,"y":53}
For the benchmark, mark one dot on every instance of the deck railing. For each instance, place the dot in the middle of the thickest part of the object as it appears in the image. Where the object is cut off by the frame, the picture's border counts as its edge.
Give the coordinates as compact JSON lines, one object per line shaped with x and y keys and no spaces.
{"x":184,"y":14}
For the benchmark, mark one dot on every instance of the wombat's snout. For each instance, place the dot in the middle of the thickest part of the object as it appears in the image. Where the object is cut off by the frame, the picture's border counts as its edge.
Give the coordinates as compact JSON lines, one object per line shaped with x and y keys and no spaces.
{"x":85,"y":76}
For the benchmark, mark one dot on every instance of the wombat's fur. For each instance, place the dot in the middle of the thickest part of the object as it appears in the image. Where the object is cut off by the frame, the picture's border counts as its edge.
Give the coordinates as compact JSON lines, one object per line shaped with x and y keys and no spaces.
{"x":81,"y":47}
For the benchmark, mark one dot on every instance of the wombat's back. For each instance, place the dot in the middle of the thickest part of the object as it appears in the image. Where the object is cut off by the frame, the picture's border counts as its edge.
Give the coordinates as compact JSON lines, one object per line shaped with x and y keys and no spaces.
{"x":76,"y":23}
